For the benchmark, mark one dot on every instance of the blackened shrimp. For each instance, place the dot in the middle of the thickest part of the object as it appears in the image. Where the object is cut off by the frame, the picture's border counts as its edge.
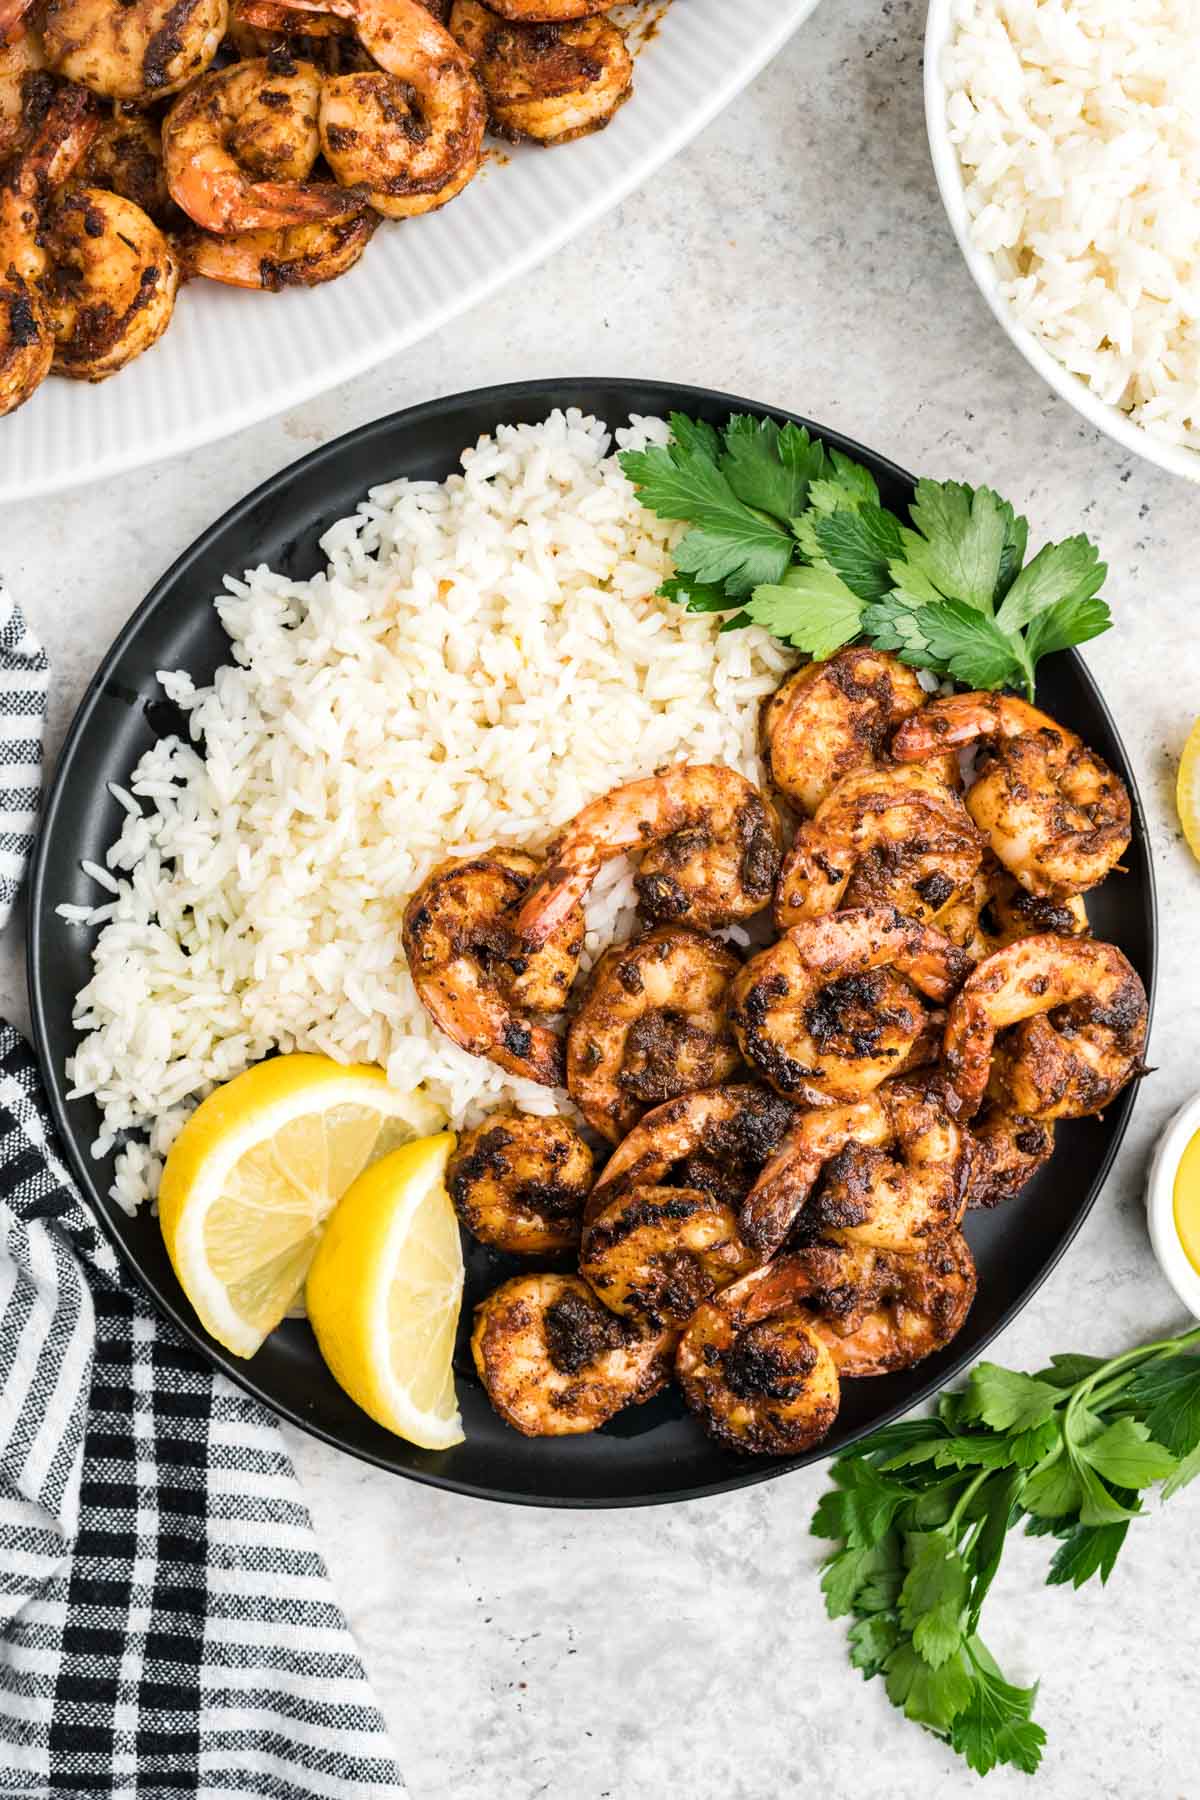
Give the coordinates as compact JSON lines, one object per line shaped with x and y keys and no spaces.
{"x":657,"y":1253}
{"x":878,"y":1311}
{"x":754,"y":1367}
{"x":1071,"y":1062}
{"x":27,"y":188}
{"x":519,"y":1183}
{"x":126,"y":159}
{"x":554,"y":1361}
{"x":140,"y":50}
{"x":114,"y":282}
{"x":550,"y":82}
{"x":717,"y":1140}
{"x":712,"y":846}
{"x":882,"y":837}
{"x":410,"y":132}
{"x":239,"y":147}
{"x":475,"y":981}
{"x":653,"y":1023}
{"x":1056,"y":816}
{"x":300,"y":256}
{"x":21,"y":63}
{"x":1012,"y":912}
{"x":836,"y":1006}
{"x":891,"y":1171}
{"x":1092,"y":1041}
{"x":994,"y":910}
{"x":1008,"y":1152}
{"x":832,"y":718}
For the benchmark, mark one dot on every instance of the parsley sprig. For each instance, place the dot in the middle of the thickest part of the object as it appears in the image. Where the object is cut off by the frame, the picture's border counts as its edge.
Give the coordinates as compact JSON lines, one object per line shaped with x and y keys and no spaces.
{"x":920,"y":1513}
{"x":791,"y":535}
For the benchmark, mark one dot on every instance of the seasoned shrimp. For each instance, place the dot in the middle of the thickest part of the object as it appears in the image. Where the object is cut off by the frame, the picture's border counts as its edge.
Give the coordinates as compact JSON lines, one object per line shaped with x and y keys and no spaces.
{"x":962,"y":921}
{"x":21,"y":64}
{"x":818,"y":1135}
{"x":26,"y":331}
{"x":126,"y":158}
{"x":994,"y":910}
{"x":657,"y":1253}
{"x":114,"y":286}
{"x":891,"y":1171}
{"x":653,"y":1023}
{"x":26,"y":321}
{"x":717,"y":1140}
{"x":1011,"y":912}
{"x":712,"y":843}
{"x":554,"y":1361}
{"x":754,"y":1367}
{"x":1070,"y":1063}
{"x":549,"y":82}
{"x":301,"y":256}
{"x":836,"y":1005}
{"x":239,"y":146}
{"x":519,"y":1183}
{"x":474,"y":978}
{"x":410,"y":133}
{"x":878,"y":1310}
{"x":139,"y":50}
{"x":1008,"y":1152}
{"x":881,"y":837}
{"x":1097,"y":1003}
{"x":1057,"y":816}
{"x":832,"y":718}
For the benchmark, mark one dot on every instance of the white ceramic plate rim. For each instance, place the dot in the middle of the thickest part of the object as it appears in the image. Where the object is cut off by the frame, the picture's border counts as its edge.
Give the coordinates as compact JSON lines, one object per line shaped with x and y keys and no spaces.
{"x":1176,"y":458}
{"x":742,"y":70}
{"x":1160,"y":1205}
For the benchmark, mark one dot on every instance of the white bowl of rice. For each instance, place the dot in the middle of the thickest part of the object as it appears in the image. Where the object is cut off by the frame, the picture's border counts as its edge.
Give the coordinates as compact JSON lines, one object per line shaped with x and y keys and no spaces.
{"x":1065,"y":137}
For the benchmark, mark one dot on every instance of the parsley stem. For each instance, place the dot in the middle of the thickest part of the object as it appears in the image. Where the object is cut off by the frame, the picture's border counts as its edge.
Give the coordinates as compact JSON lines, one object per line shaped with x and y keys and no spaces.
{"x":1103,"y":1377}
{"x":972,"y":1488}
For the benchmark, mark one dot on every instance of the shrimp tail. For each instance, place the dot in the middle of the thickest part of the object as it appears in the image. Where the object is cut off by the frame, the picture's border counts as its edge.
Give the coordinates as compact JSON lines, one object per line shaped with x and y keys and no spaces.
{"x":548,"y":903}
{"x":776,"y":1200}
{"x":278,"y":204}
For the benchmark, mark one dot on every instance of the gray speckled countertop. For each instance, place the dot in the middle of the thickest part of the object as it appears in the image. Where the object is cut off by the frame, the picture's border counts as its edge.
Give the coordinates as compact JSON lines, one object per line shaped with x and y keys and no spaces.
{"x":796,"y":252}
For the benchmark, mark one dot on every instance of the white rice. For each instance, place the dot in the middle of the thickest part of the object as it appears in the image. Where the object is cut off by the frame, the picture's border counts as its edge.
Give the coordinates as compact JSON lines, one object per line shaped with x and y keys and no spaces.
{"x":479,"y":659}
{"x":1078,"y":127}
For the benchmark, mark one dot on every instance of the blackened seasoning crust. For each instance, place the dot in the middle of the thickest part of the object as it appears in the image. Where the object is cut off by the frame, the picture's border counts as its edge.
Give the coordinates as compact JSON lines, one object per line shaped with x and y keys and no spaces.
{"x":577,"y":1333}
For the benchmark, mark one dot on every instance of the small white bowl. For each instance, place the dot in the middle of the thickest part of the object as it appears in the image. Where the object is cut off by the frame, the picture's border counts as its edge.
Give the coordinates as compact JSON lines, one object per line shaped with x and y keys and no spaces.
{"x":1160,"y":1206}
{"x":1177,"y":458}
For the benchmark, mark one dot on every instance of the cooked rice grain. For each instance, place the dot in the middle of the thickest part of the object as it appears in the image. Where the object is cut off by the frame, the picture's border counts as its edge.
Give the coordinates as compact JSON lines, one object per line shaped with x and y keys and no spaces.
{"x":1077,"y":123}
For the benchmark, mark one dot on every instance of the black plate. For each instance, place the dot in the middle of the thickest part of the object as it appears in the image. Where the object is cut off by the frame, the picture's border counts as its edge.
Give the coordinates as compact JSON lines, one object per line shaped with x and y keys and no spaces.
{"x":651,"y":1453}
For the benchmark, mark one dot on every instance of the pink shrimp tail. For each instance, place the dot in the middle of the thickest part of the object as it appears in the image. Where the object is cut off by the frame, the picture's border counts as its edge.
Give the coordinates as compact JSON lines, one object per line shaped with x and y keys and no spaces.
{"x":546,"y":907}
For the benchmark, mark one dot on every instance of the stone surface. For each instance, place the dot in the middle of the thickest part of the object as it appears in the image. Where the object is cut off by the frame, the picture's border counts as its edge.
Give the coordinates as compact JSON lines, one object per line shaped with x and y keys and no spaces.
{"x":797,"y":252}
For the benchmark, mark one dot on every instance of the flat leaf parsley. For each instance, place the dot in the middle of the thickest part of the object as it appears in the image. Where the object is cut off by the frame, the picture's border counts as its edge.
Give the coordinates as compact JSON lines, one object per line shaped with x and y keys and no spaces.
{"x":920,"y":1512}
{"x":791,"y":535}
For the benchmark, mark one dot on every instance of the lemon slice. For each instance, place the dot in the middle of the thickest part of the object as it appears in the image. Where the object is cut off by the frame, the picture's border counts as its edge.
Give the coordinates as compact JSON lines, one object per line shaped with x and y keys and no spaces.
{"x":385,"y":1290}
{"x":1187,"y":790}
{"x":255,"y":1172}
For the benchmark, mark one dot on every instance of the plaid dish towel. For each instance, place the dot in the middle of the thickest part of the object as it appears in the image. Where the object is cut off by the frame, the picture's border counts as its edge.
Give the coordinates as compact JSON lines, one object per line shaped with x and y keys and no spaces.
{"x":166,"y":1622}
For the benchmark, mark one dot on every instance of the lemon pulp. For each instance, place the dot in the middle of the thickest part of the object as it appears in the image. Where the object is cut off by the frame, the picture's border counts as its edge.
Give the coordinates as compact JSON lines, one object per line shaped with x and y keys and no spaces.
{"x":256,"y":1171}
{"x":385,"y":1291}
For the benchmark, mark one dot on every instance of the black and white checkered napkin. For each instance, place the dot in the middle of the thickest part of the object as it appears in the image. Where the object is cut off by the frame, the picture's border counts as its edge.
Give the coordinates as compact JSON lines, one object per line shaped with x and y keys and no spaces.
{"x":166,"y":1622}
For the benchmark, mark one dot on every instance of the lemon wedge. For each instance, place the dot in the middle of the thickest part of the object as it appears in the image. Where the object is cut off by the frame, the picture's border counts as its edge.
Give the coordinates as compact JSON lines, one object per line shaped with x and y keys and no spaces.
{"x":1187,"y":790}
{"x":254,"y":1174}
{"x":385,"y":1290}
